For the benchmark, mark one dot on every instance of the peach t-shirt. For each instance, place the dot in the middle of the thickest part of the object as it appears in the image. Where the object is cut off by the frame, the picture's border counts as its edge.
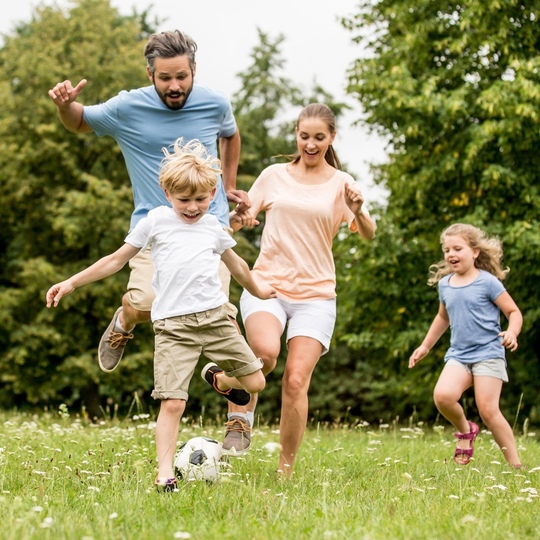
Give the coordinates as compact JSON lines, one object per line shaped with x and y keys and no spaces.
{"x":301,"y":222}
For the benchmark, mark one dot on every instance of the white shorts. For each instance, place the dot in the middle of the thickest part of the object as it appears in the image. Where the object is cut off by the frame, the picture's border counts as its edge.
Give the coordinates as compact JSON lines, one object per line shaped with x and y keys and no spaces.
{"x":315,"y":319}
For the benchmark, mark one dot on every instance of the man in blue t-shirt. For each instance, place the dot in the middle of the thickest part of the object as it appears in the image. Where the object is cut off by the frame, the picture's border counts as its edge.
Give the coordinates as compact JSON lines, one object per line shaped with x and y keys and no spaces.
{"x":143,"y":122}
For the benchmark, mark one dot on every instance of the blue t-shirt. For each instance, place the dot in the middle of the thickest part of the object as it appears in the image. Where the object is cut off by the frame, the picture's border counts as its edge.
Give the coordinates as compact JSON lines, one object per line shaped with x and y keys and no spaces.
{"x":474,"y":318}
{"x":143,"y":125}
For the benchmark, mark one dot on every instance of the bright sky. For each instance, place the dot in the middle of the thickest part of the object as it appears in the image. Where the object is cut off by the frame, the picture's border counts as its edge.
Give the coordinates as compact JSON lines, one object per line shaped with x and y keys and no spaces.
{"x":316,"y":47}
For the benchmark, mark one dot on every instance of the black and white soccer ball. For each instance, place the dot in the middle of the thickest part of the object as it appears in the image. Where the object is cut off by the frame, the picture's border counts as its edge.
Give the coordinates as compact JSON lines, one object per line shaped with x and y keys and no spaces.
{"x":198,"y":459}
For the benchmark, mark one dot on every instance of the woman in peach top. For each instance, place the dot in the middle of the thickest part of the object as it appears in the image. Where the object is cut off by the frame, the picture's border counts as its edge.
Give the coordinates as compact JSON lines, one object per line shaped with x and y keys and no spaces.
{"x":305,"y":202}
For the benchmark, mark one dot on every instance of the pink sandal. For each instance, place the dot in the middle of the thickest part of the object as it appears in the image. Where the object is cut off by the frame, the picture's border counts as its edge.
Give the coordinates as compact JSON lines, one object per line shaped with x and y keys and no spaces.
{"x":467,"y":453}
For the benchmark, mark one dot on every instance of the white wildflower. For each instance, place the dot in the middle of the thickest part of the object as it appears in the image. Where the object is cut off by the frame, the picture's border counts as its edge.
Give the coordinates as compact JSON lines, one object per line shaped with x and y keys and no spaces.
{"x":272,"y":447}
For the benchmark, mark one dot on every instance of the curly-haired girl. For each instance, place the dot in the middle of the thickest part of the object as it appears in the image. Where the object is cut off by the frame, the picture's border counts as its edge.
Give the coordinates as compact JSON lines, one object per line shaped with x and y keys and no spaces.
{"x":471,"y":298}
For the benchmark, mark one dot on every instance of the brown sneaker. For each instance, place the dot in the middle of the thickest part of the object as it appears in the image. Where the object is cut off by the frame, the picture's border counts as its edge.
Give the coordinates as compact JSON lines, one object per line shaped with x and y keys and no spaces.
{"x":237,"y":436}
{"x":112,"y":345}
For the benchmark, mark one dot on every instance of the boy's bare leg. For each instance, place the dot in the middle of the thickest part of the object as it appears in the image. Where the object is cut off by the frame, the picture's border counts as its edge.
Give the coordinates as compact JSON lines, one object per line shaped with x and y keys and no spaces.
{"x":168,"y":421}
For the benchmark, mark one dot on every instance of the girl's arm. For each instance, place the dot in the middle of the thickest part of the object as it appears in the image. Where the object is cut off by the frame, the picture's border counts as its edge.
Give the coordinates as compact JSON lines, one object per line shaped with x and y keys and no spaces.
{"x":438,"y":327}
{"x":515,"y":320}
{"x":239,"y":270}
{"x":355,"y":201}
{"x":106,"y":266}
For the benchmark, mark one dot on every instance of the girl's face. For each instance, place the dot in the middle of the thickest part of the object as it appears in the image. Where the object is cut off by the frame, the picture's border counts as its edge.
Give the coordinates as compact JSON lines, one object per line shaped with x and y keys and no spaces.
{"x":459,"y":254}
{"x":313,"y":139}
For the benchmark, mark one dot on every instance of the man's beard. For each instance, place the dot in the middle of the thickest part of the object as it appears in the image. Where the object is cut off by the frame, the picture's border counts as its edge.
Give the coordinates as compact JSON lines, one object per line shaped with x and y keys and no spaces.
{"x":177,"y":104}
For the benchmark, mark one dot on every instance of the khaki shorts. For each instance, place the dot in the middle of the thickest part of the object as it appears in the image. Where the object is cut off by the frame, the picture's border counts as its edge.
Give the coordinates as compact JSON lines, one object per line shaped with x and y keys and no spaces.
{"x":140,"y":292}
{"x":486,"y":368}
{"x":180,"y":341}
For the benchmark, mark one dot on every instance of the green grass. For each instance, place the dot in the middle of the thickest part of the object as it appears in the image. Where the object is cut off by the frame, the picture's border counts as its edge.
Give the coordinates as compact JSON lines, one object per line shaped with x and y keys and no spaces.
{"x":64,"y":478}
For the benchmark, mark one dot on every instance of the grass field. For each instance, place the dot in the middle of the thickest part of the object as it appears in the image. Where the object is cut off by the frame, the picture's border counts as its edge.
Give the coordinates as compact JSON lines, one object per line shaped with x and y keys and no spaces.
{"x":64,"y":478}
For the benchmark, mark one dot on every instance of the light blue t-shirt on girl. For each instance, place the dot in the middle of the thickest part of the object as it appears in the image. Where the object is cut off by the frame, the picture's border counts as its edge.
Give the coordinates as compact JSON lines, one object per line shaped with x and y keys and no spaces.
{"x":474,"y":318}
{"x":142,"y":126}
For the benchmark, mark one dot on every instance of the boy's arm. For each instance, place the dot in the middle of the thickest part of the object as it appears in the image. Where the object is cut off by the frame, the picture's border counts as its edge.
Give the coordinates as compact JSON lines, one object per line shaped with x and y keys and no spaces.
{"x":438,"y":327}
{"x":515,"y":320}
{"x":239,"y":270}
{"x":106,"y":266}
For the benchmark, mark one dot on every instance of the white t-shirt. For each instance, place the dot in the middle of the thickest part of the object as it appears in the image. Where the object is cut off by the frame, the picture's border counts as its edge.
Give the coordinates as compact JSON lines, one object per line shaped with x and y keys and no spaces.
{"x":186,"y":260}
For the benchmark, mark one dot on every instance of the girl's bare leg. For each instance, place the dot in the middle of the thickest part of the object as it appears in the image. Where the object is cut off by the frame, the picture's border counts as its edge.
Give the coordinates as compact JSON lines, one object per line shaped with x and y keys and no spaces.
{"x":453,"y":381}
{"x":487,"y":391}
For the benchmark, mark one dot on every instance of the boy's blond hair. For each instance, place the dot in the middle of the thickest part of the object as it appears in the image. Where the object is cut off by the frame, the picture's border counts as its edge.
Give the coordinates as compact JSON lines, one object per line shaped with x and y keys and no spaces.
{"x":490,"y":252}
{"x":188,"y":168}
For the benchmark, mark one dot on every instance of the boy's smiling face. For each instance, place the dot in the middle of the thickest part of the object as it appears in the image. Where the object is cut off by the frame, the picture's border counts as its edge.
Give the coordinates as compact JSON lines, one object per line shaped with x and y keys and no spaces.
{"x":190,"y":207}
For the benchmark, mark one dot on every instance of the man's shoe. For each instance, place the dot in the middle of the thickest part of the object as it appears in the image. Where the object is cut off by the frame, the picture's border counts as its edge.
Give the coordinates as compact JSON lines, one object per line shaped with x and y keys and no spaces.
{"x":112,"y":345}
{"x":237,"y":436}
{"x":165,"y":484}
{"x":238,"y":397}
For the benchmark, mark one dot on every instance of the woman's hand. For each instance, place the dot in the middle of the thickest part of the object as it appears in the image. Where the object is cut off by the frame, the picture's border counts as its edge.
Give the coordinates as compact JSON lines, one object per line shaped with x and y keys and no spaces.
{"x":353,"y":197}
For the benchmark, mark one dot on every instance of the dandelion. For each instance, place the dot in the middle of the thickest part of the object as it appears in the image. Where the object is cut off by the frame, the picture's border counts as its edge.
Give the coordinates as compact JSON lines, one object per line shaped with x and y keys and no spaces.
{"x":46,"y":523}
{"x":93,"y":488}
{"x":37,"y":509}
{"x":272,"y":447}
{"x":182,"y":534}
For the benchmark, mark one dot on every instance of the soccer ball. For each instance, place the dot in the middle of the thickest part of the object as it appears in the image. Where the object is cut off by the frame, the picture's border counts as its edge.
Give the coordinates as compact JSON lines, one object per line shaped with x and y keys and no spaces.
{"x":198,"y":459}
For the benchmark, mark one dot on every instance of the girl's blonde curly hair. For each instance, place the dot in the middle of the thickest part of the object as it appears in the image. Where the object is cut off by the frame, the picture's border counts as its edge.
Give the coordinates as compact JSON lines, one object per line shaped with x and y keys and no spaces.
{"x":490,"y":252}
{"x":188,"y":168}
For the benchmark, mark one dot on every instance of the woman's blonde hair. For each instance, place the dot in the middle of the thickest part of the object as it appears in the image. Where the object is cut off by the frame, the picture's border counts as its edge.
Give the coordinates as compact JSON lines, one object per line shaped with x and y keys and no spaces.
{"x":188,"y":168}
{"x":490,"y":252}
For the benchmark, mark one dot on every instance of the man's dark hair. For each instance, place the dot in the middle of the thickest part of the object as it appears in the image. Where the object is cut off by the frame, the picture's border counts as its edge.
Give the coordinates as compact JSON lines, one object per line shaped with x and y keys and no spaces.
{"x":169,"y":45}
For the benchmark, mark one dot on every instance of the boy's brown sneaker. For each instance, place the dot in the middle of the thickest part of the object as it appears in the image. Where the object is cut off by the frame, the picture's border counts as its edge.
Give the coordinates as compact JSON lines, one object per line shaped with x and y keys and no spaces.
{"x":112,"y":345}
{"x":237,"y":436}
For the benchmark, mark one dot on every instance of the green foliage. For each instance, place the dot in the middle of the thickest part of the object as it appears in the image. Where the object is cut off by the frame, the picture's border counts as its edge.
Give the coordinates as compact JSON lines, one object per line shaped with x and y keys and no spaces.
{"x":66,"y":199}
{"x":455,"y":90}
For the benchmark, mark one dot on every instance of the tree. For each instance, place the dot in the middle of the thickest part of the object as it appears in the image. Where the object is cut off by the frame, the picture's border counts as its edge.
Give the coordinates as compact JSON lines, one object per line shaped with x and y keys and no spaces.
{"x":67,"y":202}
{"x":454,"y":88}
